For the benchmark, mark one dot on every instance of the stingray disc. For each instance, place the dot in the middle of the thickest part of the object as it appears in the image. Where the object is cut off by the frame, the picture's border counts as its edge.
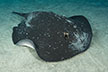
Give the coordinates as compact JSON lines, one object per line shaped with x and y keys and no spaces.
{"x":54,"y":37}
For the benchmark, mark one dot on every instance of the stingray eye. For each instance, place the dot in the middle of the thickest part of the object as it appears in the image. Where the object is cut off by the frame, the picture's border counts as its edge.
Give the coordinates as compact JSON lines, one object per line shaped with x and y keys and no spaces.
{"x":66,"y":35}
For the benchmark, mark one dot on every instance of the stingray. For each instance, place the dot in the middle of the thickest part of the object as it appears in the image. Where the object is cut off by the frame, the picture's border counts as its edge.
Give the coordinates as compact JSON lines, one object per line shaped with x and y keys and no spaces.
{"x":54,"y":37}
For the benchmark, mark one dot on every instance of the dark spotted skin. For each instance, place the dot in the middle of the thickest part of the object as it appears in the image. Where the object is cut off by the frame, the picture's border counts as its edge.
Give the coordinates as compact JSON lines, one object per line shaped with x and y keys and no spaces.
{"x":47,"y":30}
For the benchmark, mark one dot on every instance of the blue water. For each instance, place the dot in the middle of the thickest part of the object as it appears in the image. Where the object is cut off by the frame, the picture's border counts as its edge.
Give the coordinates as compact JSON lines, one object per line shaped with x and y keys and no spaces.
{"x":57,"y":6}
{"x":41,"y":4}
{"x":49,"y":2}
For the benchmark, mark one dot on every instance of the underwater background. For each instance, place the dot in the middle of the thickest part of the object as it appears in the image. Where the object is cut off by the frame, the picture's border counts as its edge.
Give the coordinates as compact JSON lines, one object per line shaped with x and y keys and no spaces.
{"x":22,"y":59}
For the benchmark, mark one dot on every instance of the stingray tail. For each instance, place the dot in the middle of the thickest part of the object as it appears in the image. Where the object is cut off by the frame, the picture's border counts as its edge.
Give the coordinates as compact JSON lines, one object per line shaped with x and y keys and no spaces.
{"x":21,"y":14}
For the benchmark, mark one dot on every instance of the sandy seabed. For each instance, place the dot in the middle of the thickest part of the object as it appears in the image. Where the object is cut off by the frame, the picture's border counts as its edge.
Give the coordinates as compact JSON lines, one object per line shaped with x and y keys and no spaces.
{"x":22,"y":59}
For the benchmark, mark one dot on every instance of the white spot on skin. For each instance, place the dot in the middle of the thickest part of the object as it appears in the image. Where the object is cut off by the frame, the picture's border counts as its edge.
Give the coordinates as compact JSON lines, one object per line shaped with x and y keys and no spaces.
{"x":81,"y":25}
{"x":65,"y":21}
{"x":70,"y":41}
{"x":48,"y":35}
{"x":59,"y":18}
{"x":26,"y":33}
{"x":48,"y":29}
{"x":60,"y":35}
{"x":49,"y":45}
{"x":55,"y":15}
{"x":59,"y":41}
{"x":75,"y":26}
{"x":55,"y":43}
{"x":44,"y":34}
{"x":53,"y":18}
{"x":47,"y":52}
{"x":37,"y":37}
{"x":39,"y":34}
{"x":68,"y":21}
{"x":58,"y":32}
{"x":33,"y":37}
{"x":62,"y":58}
{"x":42,"y":20}
{"x":54,"y":48}
{"x":49,"y":21}
{"x":61,"y":44}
